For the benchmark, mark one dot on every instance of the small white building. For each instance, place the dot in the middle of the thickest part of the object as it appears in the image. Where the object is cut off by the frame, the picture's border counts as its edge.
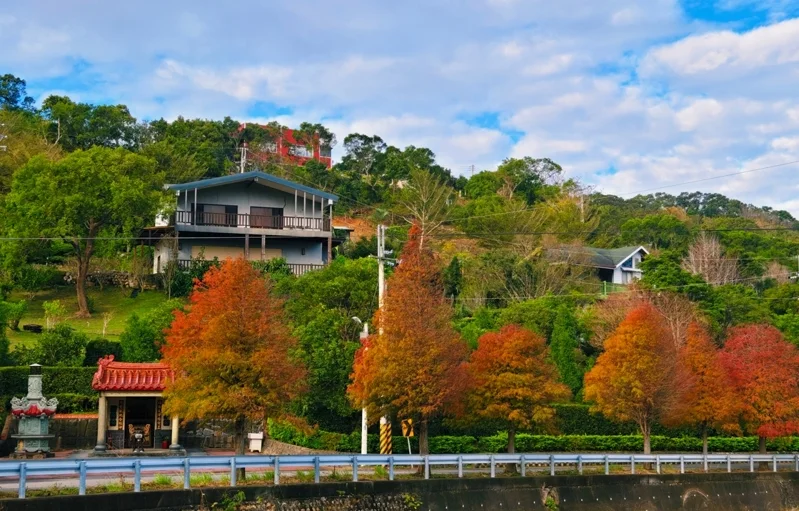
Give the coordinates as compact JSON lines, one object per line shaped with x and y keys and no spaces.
{"x":618,"y":265}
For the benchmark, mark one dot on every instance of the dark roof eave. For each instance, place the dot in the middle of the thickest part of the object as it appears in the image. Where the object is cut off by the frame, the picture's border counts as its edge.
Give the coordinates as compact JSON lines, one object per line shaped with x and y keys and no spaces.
{"x":249,"y":176}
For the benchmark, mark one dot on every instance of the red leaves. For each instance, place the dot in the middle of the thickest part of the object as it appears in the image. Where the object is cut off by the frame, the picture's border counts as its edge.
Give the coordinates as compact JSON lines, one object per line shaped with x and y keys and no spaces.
{"x":232,"y":349}
{"x":416,"y":368}
{"x":512,"y":379}
{"x":764,"y":369}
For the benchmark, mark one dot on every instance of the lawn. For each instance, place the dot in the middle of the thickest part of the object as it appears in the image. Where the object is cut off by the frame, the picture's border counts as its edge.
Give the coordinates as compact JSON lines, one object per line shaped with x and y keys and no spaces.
{"x":116,"y":301}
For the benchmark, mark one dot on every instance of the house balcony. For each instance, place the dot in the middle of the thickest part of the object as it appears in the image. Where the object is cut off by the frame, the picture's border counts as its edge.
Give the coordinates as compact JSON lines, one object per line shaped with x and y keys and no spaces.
{"x":296,"y":269}
{"x":232,"y":221}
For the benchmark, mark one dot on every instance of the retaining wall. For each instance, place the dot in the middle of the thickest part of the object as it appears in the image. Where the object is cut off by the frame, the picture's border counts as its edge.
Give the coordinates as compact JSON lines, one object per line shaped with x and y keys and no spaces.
{"x":720,"y":492}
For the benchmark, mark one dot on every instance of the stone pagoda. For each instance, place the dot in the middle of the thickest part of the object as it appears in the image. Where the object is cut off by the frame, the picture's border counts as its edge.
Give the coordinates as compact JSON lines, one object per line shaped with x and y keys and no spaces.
{"x":34,"y":412}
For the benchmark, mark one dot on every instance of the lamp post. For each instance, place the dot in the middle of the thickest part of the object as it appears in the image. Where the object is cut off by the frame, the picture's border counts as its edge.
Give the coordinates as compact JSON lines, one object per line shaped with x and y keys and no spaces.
{"x":364,"y":433}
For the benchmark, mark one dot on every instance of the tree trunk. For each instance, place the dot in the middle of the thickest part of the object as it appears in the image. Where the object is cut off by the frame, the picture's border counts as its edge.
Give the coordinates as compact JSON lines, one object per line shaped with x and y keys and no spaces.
{"x":423,"y":446}
{"x":704,"y":440}
{"x":647,"y":433}
{"x":241,"y":444}
{"x":762,"y":444}
{"x":84,"y":257}
{"x":510,"y":468}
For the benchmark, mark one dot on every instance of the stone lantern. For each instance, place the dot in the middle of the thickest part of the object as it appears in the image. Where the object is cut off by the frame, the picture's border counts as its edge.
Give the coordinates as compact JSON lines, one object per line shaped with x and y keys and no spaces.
{"x":34,"y":412}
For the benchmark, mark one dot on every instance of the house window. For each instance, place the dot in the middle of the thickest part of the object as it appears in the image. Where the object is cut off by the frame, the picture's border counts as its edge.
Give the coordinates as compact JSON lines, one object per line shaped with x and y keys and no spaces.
{"x":268,"y":218}
{"x":325,"y":152}
{"x":301,"y":151}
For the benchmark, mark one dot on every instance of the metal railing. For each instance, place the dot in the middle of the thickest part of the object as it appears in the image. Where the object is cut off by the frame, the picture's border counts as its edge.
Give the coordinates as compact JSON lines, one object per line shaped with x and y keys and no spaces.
{"x":22,"y":470}
{"x":254,"y":221}
{"x":296,"y":269}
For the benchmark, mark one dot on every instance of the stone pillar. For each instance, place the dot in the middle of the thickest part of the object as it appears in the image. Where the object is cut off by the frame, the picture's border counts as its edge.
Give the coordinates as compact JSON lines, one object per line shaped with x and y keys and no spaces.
{"x":102,"y":423}
{"x":175,"y":430}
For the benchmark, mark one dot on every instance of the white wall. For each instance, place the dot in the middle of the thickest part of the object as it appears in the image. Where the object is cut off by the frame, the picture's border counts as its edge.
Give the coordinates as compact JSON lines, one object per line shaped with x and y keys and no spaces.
{"x":315,"y":250}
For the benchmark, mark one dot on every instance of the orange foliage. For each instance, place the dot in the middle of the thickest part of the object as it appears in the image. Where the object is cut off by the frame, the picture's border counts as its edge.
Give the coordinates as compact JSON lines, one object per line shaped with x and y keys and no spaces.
{"x":765,"y":372}
{"x":513,"y":381}
{"x":702,"y":393}
{"x":416,"y":367}
{"x":231,"y":350}
{"x":630,"y":379}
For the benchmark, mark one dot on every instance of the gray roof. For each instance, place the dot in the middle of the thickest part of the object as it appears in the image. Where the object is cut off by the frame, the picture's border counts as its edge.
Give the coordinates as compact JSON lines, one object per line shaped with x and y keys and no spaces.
{"x":255,"y":175}
{"x":612,"y":257}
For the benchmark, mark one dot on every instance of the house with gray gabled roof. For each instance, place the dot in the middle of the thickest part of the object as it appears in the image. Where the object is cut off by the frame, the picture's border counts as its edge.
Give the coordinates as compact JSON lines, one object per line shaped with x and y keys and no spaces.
{"x":618,"y":265}
{"x":253,"y":215}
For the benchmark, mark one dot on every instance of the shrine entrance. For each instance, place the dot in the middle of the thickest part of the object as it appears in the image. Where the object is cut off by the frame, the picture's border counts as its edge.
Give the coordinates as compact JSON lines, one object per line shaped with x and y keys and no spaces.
{"x":140,"y":415}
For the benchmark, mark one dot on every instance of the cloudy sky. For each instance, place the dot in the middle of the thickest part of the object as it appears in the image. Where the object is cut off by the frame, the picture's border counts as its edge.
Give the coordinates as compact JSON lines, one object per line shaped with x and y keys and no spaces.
{"x":627,"y":95}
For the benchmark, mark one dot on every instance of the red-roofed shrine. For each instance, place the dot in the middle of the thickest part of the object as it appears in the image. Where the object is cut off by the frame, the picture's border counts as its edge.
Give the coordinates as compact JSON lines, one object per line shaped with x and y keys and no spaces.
{"x":131,"y":400}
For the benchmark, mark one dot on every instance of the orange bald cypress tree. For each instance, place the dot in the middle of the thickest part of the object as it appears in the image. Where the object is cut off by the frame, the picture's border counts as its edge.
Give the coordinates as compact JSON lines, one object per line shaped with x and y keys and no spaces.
{"x":764,"y":368}
{"x":231,"y":351}
{"x":513,"y":382}
{"x":416,"y":367}
{"x":702,"y":392}
{"x":630,"y":379}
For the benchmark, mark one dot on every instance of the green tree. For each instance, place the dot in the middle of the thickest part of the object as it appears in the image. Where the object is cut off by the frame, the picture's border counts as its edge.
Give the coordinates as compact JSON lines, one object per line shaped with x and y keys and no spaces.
{"x":101,"y":192}
{"x":83,"y":126}
{"x":453,"y":279}
{"x":13,"y":94}
{"x":483,"y":184}
{"x":565,"y":348}
{"x":321,"y":306}
{"x":655,"y":231}
{"x":527,"y":177}
{"x":61,"y":346}
{"x":144,"y":335}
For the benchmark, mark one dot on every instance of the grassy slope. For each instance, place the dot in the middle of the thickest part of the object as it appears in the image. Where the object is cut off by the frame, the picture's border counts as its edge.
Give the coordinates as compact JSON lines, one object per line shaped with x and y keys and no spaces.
{"x":114,"y":300}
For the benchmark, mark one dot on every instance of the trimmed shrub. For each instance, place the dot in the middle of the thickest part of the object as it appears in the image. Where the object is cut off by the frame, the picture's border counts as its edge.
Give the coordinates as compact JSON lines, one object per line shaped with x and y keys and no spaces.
{"x":55,"y":380}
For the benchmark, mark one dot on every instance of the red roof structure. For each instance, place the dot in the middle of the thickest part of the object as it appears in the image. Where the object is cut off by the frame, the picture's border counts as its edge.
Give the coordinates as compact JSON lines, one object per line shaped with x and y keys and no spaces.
{"x":128,"y":376}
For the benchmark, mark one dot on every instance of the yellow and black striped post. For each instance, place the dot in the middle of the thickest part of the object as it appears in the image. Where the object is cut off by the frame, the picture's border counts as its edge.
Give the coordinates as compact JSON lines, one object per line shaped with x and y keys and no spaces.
{"x":385,"y":436}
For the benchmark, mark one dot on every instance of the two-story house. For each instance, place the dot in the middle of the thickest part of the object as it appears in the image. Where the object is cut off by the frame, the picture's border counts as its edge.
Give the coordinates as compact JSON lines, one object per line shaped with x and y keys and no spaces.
{"x":253,"y":215}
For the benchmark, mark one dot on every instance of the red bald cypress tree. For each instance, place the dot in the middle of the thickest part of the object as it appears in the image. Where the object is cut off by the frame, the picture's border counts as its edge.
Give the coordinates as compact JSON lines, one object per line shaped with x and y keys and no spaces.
{"x":764,"y":369}
{"x":415,"y":368}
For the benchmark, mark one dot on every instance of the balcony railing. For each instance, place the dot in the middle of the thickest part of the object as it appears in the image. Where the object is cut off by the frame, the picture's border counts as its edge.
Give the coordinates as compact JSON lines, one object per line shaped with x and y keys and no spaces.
{"x":296,"y":269}
{"x":254,"y":221}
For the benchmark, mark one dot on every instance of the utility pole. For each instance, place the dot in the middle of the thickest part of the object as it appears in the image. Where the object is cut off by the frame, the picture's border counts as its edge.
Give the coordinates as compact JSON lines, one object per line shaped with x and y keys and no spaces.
{"x":364,"y":429}
{"x":381,"y":269}
{"x":243,"y":157}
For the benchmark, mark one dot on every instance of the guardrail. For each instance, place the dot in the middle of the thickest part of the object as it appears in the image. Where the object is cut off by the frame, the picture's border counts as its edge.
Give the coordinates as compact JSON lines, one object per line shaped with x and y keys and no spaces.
{"x":22,"y":470}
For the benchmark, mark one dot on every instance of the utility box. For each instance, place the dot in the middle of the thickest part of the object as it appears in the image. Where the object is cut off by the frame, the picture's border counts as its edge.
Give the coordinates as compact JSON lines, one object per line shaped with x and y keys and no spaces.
{"x":256,"y":441}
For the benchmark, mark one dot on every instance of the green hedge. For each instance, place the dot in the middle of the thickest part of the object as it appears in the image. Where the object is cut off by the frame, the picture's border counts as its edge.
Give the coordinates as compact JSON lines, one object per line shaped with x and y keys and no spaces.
{"x":55,"y":380}
{"x":498,"y":443}
{"x":576,"y":419}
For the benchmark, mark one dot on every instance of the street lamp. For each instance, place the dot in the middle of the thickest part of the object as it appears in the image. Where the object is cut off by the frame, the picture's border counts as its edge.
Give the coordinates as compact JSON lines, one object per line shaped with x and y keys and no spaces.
{"x":364,"y":434}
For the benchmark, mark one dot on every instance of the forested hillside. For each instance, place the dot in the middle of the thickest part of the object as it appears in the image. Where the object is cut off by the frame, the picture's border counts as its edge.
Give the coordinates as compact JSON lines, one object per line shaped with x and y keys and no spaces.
{"x":511,"y":241}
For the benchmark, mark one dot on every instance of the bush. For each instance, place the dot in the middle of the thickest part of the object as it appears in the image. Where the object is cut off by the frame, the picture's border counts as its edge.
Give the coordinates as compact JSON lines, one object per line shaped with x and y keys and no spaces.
{"x":31,"y":278}
{"x":54,"y":311}
{"x":14,"y":312}
{"x":62,"y":346}
{"x":99,"y":348}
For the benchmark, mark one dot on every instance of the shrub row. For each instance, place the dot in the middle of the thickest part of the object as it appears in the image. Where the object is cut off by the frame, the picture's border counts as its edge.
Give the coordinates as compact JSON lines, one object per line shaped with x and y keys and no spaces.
{"x":326,"y":441}
{"x":55,"y":380}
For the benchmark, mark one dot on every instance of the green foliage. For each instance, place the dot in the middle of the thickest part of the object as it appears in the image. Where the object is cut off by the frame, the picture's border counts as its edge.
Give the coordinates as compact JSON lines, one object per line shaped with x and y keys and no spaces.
{"x":537,"y":315}
{"x":61,"y":346}
{"x":321,"y":306}
{"x":83,"y":126}
{"x":453,"y":279}
{"x":13,"y":94}
{"x":144,"y":335}
{"x":54,"y":311}
{"x":789,"y":326}
{"x":55,"y":380}
{"x":565,"y":349}
{"x":4,"y":344}
{"x":483,"y":184}
{"x":735,"y":304}
{"x":664,"y":272}
{"x":32,"y":278}
{"x":99,"y":348}
{"x":655,"y":231}
{"x":483,"y":320}
{"x":14,"y":312}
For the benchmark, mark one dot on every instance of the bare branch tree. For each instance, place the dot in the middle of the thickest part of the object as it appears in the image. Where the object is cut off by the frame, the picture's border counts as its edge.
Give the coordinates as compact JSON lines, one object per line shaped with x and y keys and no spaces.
{"x":426,"y":201}
{"x":706,"y":258}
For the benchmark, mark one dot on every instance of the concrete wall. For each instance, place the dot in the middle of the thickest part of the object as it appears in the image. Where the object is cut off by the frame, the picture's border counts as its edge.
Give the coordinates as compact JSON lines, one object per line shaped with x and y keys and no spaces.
{"x":245,"y":195}
{"x":719,"y":492}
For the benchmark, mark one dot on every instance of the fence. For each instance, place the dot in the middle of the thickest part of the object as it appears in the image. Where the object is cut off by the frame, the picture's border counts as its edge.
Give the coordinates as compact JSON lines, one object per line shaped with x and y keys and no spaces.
{"x":21,"y":470}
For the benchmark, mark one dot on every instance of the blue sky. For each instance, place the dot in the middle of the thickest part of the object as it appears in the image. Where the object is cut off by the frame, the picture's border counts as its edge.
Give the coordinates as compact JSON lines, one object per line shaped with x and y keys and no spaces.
{"x":627,"y":95}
